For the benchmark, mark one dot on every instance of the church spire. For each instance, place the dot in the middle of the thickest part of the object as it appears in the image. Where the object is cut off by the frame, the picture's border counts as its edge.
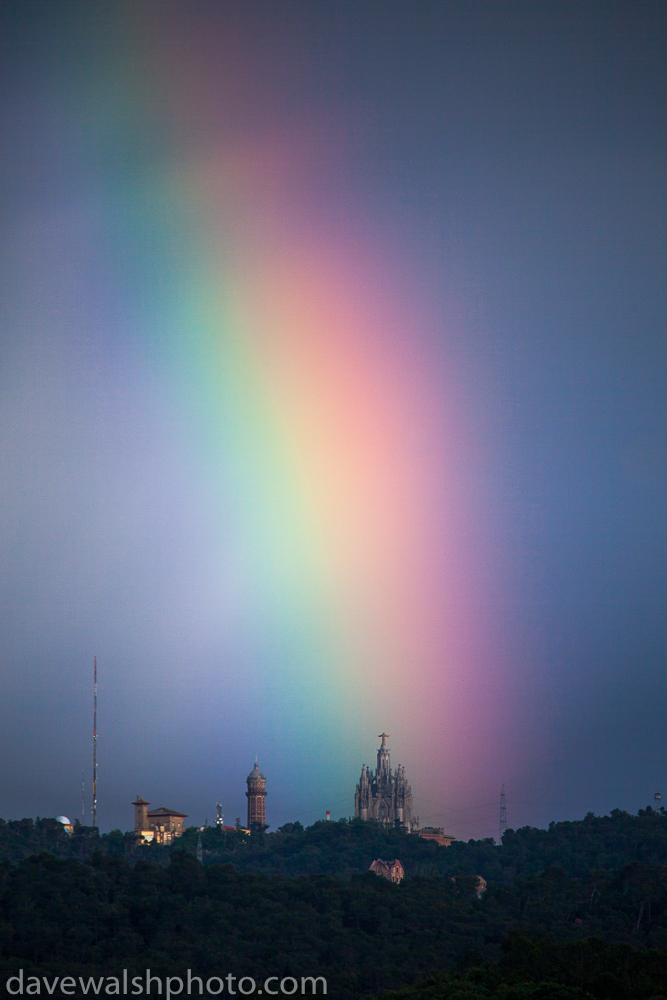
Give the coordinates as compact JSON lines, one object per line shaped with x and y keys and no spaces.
{"x":383,"y":796}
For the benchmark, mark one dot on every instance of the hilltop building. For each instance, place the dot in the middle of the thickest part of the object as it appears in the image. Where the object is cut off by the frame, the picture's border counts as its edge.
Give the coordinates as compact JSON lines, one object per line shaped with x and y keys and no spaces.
{"x":438,"y":834}
{"x":256,"y":795}
{"x":383,"y":795}
{"x":66,"y":825}
{"x":391,"y":870}
{"x":161,"y":825}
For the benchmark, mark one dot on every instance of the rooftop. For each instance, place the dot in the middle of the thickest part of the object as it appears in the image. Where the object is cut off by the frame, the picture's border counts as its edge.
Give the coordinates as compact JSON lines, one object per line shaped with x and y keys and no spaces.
{"x":162,"y":811}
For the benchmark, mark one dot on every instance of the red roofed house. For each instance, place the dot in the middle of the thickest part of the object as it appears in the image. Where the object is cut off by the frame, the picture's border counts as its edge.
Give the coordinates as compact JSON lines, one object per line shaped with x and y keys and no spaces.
{"x":391,"y":870}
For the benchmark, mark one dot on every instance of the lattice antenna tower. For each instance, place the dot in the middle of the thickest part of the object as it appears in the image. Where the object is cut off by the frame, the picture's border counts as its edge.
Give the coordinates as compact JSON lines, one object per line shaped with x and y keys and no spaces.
{"x":219,"y":818}
{"x":83,"y":799}
{"x":95,"y":742}
{"x":503,"y":815}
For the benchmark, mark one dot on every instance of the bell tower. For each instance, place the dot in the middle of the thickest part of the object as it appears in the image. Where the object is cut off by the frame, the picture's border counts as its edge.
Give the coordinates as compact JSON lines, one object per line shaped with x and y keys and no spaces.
{"x":256,"y":795}
{"x":140,"y":814}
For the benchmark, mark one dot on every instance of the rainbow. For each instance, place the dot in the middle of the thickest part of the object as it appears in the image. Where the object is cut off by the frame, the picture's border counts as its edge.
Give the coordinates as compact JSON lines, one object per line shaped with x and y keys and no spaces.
{"x":314,"y":397}
{"x":316,"y":404}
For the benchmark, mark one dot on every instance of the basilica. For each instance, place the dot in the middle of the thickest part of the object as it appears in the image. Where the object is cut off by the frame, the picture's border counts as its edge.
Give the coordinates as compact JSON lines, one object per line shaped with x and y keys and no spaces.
{"x":383,"y":795}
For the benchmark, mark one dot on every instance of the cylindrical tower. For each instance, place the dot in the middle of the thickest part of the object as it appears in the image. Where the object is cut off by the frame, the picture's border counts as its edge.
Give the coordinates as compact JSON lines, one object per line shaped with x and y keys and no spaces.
{"x":256,"y":797}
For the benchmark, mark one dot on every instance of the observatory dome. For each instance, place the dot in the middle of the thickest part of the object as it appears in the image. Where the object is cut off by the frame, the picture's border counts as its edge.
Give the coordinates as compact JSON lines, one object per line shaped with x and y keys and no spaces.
{"x":64,"y":820}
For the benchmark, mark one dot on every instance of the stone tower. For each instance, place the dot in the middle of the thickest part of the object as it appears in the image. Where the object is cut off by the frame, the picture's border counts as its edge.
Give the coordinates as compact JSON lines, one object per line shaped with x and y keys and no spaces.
{"x":140,"y":814}
{"x":256,"y":797}
{"x":385,"y":795}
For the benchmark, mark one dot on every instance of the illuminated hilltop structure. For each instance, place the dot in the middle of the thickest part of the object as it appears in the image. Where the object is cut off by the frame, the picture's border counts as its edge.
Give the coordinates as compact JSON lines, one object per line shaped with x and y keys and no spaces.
{"x":385,"y":796}
{"x":161,"y":825}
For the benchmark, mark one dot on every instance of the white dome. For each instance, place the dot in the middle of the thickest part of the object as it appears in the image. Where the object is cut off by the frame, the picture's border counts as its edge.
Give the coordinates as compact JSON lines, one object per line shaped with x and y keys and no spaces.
{"x":64,"y":820}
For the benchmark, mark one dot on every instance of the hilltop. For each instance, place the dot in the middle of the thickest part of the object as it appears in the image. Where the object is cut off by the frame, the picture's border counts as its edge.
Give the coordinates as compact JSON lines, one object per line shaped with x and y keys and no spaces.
{"x":343,"y":848}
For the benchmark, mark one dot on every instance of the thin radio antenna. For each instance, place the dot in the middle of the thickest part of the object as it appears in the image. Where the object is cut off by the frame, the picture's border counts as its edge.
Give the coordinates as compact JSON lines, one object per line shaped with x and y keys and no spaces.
{"x":95,"y":745}
{"x":83,"y":799}
{"x":503,"y":815}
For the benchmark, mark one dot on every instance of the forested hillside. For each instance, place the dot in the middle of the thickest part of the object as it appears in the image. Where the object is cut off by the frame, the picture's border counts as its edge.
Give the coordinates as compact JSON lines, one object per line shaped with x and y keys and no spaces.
{"x":574,"y":911}
{"x":596,"y":842}
{"x":363,"y":935}
{"x":544,"y":970}
{"x":344,"y":848}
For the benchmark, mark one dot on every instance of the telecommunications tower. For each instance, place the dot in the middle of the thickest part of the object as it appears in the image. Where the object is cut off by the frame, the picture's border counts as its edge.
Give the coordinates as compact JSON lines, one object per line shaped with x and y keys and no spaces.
{"x":95,"y":743}
{"x":503,"y":815}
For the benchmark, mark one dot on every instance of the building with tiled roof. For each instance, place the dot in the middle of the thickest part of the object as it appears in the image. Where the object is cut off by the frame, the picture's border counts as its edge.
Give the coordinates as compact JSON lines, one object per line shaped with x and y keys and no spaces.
{"x":160,"y":825}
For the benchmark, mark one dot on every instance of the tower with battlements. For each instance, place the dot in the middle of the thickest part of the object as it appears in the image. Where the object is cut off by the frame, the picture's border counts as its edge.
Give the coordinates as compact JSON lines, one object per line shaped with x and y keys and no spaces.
{"x":256,"y":795}
{"x":385,"y":795}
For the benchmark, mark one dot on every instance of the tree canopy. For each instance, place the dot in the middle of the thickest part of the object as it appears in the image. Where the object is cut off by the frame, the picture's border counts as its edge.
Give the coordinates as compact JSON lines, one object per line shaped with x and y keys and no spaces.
{"x":580,"y":908}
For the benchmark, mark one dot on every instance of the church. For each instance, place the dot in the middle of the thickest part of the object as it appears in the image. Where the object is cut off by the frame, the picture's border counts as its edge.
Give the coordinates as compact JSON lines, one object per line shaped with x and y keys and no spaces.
{"x":383,"y":795}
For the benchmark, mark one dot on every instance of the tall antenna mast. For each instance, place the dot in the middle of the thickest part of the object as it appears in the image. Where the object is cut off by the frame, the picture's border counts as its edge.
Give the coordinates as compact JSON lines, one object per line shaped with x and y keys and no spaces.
{"x":95,"y":746}
{"x":503,"y":815}
{"x":83,"y":799}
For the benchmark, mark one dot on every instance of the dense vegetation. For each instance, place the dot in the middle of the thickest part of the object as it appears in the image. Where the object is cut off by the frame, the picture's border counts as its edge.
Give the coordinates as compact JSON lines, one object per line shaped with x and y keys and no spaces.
{"x":544,"y":970}
{"x":345,"y":848}
{"x":362,"y":935}
{"x":340,"y":849}
{"x":577,"y":910}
